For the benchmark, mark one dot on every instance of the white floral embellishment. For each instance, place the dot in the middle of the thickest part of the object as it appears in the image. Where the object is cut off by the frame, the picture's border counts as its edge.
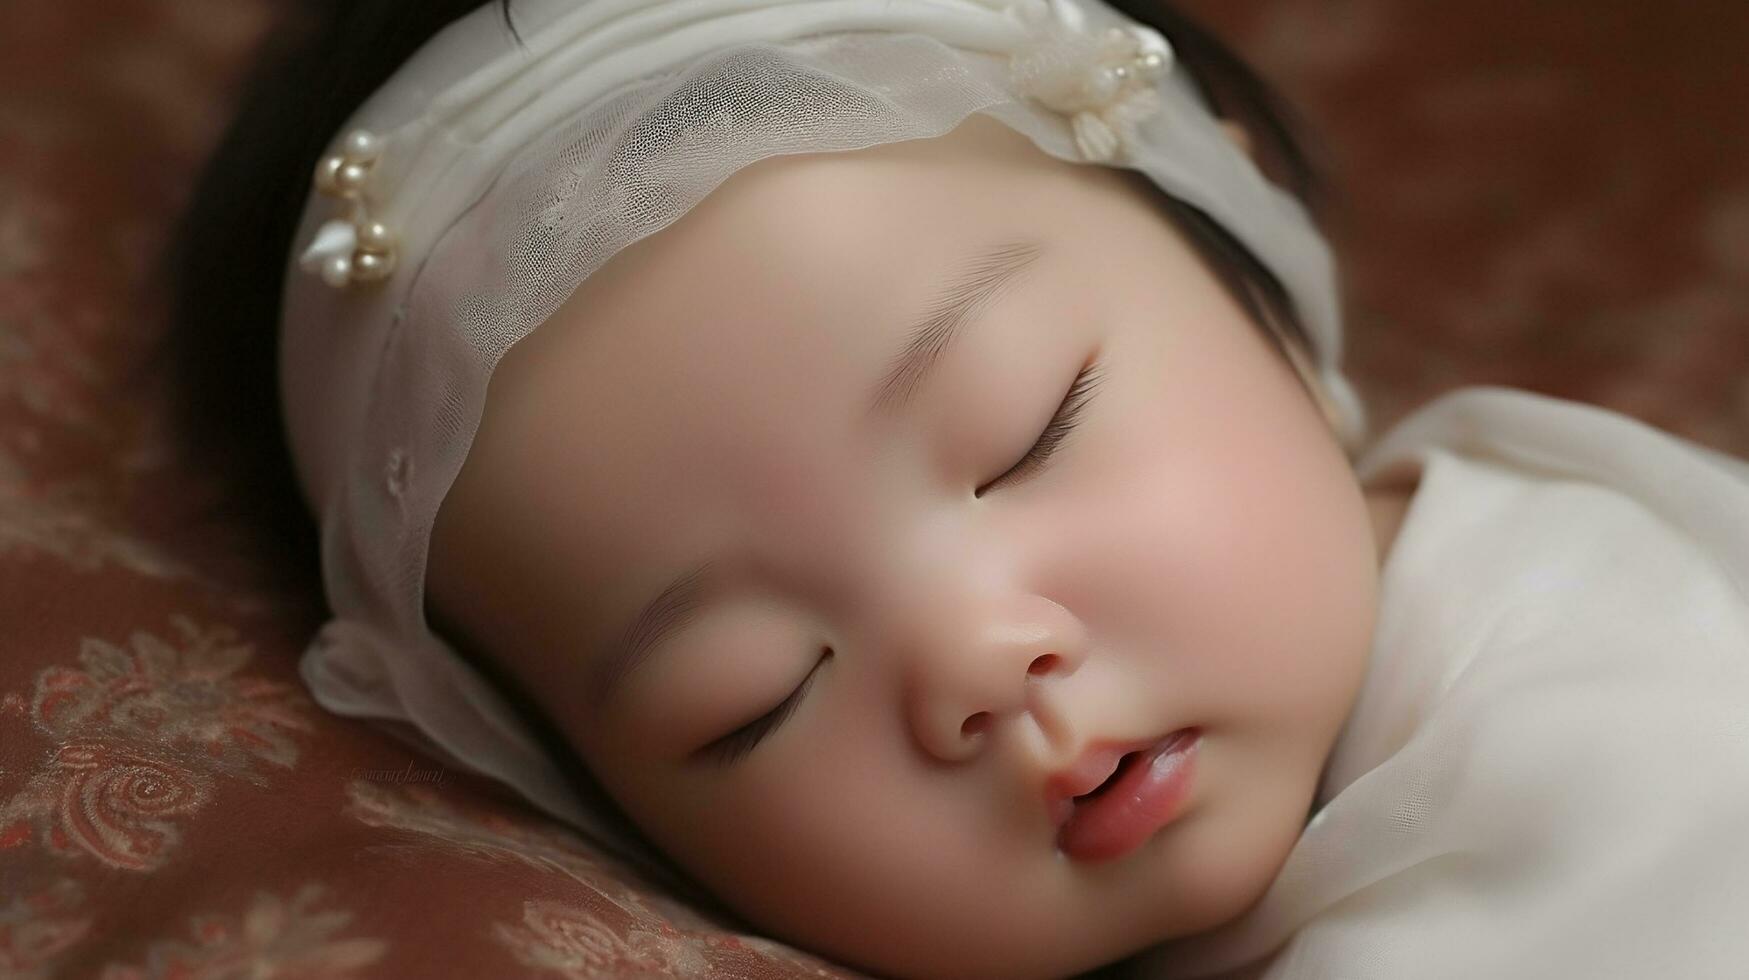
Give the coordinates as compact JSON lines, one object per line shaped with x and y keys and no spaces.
{"x":1103,"y":82}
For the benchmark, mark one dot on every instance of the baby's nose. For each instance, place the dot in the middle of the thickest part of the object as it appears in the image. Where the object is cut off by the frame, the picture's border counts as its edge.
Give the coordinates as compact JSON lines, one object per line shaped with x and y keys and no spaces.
{"x":990,"y":668}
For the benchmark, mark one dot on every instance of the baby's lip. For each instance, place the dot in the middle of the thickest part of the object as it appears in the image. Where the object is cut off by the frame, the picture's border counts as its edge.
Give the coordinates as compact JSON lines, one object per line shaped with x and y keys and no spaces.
{"x":1097,"y":761}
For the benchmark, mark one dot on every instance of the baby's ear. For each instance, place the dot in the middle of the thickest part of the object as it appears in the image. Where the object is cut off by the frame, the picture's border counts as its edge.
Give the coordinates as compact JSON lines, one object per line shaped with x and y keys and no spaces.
{"x":1240,"y":136}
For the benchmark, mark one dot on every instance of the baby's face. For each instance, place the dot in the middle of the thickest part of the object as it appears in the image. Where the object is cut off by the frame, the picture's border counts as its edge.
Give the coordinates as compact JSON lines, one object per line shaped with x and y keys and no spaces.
{"x":941,"y":629}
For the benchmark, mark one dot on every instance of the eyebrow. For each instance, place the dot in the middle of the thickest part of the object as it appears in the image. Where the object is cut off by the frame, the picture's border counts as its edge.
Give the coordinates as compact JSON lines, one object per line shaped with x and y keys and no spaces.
{"x":980,"y":280}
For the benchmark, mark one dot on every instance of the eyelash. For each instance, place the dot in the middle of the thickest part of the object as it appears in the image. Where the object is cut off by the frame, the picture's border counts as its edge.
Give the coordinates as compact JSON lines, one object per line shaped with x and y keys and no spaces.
{"x":732,"y":747}
{"x":1067,"y":417}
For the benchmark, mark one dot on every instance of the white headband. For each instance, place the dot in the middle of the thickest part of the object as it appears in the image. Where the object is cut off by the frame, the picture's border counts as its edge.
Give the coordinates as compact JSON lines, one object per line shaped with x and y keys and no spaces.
{"x":484,"y":181}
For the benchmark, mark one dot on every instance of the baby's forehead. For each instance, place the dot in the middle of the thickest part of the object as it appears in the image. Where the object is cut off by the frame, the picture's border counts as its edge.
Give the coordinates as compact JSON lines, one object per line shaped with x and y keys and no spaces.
{"x":732,"y":354}
{"x":836,"y":220}
{"x":838,"y":250}
{"x":770,"y":308}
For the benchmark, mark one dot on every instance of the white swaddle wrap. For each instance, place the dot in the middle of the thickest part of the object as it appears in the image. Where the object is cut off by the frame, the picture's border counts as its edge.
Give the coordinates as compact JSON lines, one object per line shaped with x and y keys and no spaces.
{"x":1547,"y":771}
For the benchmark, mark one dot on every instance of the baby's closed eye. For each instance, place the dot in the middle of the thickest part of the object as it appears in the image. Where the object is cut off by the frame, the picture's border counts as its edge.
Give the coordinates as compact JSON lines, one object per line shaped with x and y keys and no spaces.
{"x":732,"y":747}
{"x":1068,"y":415}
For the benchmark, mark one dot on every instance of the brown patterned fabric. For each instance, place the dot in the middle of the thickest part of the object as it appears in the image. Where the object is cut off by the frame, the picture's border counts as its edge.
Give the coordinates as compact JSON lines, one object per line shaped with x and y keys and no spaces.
{"x":1552,"y":198}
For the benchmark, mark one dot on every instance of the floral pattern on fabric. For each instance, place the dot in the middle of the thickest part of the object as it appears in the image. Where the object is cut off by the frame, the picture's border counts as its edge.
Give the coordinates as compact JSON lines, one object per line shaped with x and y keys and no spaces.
{"x":52,"y":524}
{"x":114,"y":804}
{"x":274,"y":937}
{"x":615,"y":926}
{"x":37,"y":927}
{"x":491,"y":836}
{"x":570,"y":941}
{"x":486,"y":835}
{"x":141,"y":733}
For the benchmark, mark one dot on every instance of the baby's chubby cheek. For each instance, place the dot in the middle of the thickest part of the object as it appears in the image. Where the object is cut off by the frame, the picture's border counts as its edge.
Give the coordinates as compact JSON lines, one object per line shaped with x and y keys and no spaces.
{"x":825,"y":848}
{"x":862,"y":855}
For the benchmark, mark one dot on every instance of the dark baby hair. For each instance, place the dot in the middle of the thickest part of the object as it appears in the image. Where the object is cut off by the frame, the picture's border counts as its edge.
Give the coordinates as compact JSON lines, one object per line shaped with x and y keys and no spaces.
{"x":228,"y":255}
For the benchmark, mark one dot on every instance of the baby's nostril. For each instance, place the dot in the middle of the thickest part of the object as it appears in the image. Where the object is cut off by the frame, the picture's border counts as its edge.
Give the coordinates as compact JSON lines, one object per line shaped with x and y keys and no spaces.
{"x":1042,"y":664}
{"x":975,"y":724}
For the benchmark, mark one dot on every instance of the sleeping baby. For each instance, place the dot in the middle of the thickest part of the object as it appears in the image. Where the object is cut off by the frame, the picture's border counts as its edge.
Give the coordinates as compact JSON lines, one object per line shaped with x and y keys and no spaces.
{"x":931,"y":521}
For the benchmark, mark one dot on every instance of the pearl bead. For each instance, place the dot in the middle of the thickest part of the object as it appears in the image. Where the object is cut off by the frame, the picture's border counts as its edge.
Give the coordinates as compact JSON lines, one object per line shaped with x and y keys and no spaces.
{"x":337,"y":271}
{"x":371,"y":266}
{"x":349,"y":179}
{"x":326,"y":170}
{"x":361,"y":146}
{"x":375,"y":236}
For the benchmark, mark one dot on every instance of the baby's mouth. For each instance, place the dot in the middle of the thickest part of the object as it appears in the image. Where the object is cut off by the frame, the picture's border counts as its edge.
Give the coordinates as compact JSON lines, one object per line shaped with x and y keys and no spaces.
{"x":1146,"y":792}
{"x":1123,"y":764}
{"x":1099,"y":767}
